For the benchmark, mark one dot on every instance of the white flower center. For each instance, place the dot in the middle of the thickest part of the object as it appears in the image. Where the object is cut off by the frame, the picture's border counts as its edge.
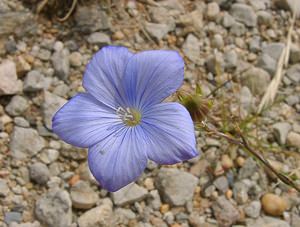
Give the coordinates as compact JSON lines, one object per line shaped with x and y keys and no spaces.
{"x":130,"y":116}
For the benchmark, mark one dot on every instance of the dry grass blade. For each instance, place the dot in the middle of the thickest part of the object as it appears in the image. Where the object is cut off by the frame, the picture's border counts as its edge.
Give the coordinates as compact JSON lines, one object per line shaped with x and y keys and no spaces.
{"x":272,"y":89}
{"x":289,"y":41}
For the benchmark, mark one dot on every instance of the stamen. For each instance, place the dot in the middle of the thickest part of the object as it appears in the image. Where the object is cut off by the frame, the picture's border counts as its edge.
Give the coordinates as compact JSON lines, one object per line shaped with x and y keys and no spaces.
{"x":130,"y":116}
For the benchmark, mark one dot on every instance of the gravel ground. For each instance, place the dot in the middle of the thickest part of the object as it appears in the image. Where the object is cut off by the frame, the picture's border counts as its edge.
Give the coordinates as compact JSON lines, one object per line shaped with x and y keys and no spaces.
{"x":46,"y":182}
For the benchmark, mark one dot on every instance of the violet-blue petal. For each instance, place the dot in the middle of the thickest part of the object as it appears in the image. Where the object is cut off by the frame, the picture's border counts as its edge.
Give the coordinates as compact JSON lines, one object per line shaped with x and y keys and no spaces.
{"x":84,"y":121}
{"x":123,"y":161}
{"x":152,"y":76}
{"x":104,"y":73}
{"x":170,"y":132}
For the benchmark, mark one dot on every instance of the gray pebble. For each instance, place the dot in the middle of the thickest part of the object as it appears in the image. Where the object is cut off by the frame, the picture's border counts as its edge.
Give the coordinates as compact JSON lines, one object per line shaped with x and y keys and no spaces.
{"x":54,"y":209}
{"x":17,"y":106}
{"x":39,"y":173}
{"x":175,"y":186}
{"x":99,"y":38}
{"x":25,"y":142}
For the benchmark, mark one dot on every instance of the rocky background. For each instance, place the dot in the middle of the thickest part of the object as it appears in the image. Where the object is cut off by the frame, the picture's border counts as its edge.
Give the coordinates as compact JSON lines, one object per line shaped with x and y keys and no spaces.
{"x":46,"y":182}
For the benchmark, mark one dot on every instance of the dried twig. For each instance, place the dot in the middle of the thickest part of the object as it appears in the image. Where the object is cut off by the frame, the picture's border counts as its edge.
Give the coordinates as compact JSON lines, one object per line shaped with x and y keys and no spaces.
{"x":41,"y":6}
{"x":71,"y":10}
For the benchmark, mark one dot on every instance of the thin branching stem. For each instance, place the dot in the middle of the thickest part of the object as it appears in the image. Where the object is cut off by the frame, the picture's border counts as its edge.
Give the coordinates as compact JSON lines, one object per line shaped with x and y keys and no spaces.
{"x":242,"y":142}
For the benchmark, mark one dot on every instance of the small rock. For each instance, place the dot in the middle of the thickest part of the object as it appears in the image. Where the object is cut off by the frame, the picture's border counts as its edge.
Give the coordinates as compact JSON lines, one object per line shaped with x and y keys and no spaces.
{"x":19,"y":23}
{"x":75,"y":59}
{"x":98,"y":216}
{"x":49,"y":155}
{"x":22,"y":65}
{"x":267,"y":221}
{"x":252,"y":210}
{"x":225,"y":213}
{"x":149,"y":184}
{"x":256,"y":79}
{"x":58,"y":46}
{"x":221,"y":184}
{"x":294,"y":54}
{"x":118,"y":35}
{"x":249,"y":167}
{"x":173,"y":5}
{"x":255,"y":44}
{"x":212,"y":11}
{"x":273,"y":204}
{"x":12,"y":216}
{"x":293,"y":73}
{"x":244,"y":14}
{"x":26,"y":224}
{"x":9,"y":83}
{"x":90,"y":19}
{"x":10,"y":46}
{"x":4,"y":189}
{"x":35,"y":81}
{"x":215,"y":64}
{"x":54,"y":209}
{"x":191,"y":48}
{"x":230,"y":60}
{"x":72,"y":152}
{"x":199,"y":168}
{"x":44,"y":54}
{"x":281,"y":130}
{"x":264,"y":18}
{"x":160,"y":15}
{"x":51,"y":104}
{"x":238,"y":29}
{"x":226,"y":162}
{"x":176,"y":187}
{"x":61,"y":90}
{"x":240,"y":192}
{"x":209,"y":191}
{"x":292,"y":100}
{"x":4,"y":7}
{"x":122,"y":216}
{"x":267,"y":63}
{"x":259,"y":5}
{"x":292,"y":5}
{"x":129,"y":194}
{"x":39,"y":173}
{"x":25,"y":142}
{"x":295,"y":219}
{"x":155,"y":202}
{"x":217,"y":41}
{"x":99,"y":38}
{"x":293,"y":139}
{"x":274,"y":50}
{"x":83,"y":196}
{"x":246,"y":99}
{"x":195,"y":220}
{"x":61,"y":64}
{"x":158,"y":31}
{"x":228,"y":20}
{"x":17,"y":106}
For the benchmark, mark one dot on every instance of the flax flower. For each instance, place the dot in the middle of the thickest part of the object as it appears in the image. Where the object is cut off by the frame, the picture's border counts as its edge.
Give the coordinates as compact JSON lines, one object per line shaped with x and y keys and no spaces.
{"x":121,"y":117}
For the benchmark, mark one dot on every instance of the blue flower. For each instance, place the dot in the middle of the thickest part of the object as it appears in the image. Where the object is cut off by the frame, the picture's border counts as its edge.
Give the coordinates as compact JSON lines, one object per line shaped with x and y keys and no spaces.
{"x":121,"y":117}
